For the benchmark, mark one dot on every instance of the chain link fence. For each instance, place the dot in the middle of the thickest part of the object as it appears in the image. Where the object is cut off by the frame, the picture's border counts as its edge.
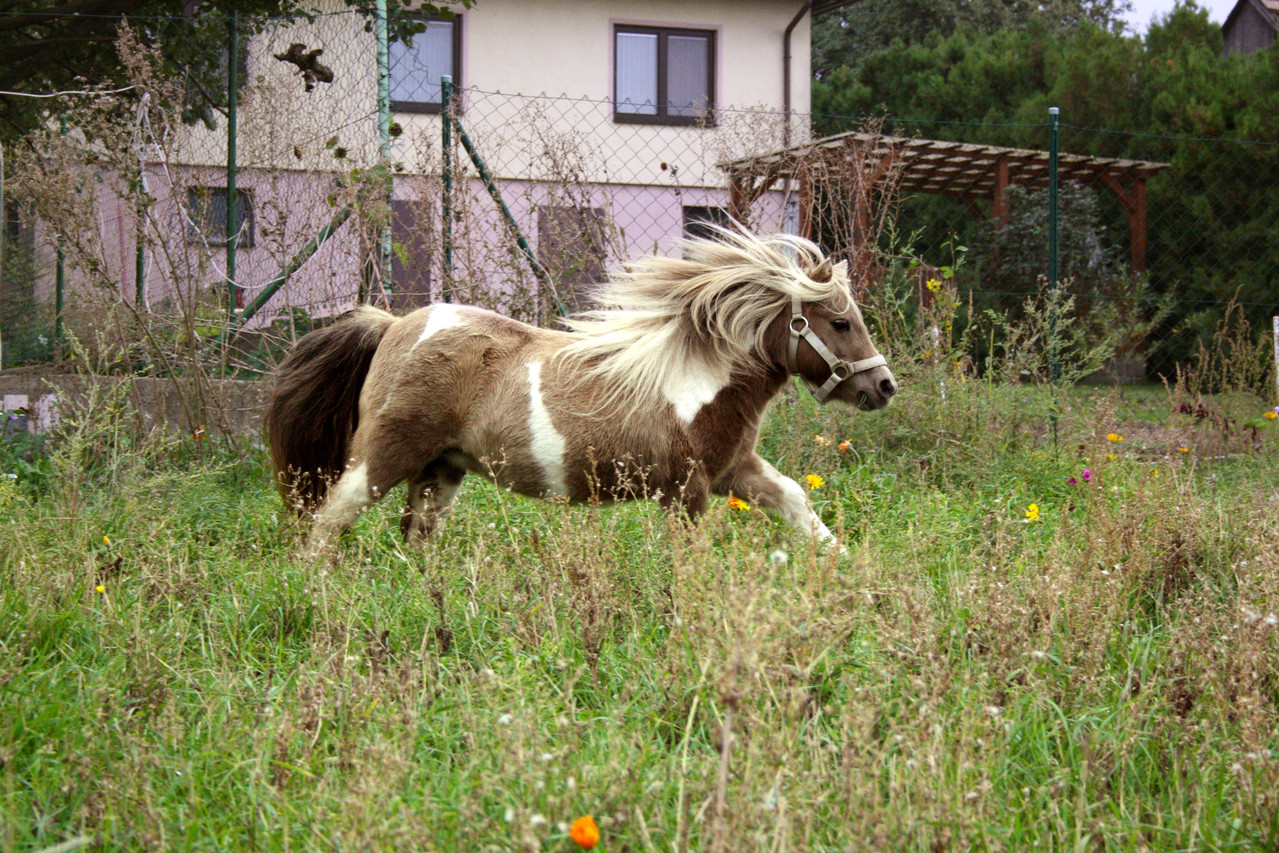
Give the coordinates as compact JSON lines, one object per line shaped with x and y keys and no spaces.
{"x":116,"y":225}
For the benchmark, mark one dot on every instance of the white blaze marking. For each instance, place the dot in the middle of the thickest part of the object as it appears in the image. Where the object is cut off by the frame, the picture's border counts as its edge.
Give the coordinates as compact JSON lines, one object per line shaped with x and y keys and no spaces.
{"x":440,"y":318}
{"x":694,"y":388}
{"x":547,"y":445}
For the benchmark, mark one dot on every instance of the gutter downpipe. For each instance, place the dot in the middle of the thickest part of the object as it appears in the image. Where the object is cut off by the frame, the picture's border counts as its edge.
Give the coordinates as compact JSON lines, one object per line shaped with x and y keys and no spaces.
{"x":786,"y":62}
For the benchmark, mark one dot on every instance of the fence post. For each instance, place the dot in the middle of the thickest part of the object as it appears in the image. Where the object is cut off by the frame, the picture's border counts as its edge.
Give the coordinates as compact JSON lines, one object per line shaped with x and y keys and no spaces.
{"x":384,"y":145}
{"x":446,"y":178}
{"x":232,"y":217}
{"x":59,"y":278}
{"x":1054,"y":115}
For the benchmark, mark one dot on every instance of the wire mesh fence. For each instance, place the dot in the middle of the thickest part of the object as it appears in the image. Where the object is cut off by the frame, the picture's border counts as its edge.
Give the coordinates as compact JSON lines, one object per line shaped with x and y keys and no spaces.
{"x":119,"y":224}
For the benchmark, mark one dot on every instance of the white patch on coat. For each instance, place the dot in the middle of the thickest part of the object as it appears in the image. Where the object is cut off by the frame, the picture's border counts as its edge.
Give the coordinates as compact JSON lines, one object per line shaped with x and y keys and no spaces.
{"x":439,"y":318}
{"x":794,"y":506}
{"x":696,"y":386}
{"x":547,"y":444}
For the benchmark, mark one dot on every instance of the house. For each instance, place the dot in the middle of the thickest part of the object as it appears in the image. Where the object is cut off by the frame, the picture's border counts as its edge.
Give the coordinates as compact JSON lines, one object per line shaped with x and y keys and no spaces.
{"x":602,"y":122}
{"x":1250,"y":26}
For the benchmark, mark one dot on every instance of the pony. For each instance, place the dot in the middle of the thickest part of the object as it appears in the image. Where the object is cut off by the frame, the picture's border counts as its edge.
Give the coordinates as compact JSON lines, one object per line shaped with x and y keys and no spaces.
{"x":657,"y":392}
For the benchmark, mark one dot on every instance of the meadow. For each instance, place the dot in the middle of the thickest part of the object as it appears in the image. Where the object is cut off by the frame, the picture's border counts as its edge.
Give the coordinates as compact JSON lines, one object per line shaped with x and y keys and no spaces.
{"x":1055,"y":628}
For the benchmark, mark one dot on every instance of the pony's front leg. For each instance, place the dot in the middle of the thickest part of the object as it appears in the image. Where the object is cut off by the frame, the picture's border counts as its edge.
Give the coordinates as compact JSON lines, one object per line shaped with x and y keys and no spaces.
{"x":754,"y":479}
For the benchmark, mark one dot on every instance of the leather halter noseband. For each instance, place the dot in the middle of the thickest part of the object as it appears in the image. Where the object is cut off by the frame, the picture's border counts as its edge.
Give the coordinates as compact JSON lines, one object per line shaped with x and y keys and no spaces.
{"x":839,"y":369}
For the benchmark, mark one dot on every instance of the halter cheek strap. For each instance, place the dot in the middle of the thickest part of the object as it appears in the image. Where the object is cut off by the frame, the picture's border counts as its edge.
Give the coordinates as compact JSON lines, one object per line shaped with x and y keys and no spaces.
{"x":839,"y":369}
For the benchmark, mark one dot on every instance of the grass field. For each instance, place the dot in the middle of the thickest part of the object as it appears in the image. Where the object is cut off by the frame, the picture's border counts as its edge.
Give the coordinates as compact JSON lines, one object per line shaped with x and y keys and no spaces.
{"x":1099,"y":673}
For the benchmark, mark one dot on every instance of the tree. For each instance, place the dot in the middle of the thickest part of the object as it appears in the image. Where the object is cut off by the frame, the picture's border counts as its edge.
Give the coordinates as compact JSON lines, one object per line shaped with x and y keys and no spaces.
{"x":57,"y":45}
{"x":846,"y":37}
{"x":1171,"y":97}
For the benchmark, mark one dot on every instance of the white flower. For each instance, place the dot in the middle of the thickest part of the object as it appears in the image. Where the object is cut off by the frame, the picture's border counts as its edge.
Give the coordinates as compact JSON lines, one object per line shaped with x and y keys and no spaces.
{"x":778,"y":558}
{"x":504,"y":720}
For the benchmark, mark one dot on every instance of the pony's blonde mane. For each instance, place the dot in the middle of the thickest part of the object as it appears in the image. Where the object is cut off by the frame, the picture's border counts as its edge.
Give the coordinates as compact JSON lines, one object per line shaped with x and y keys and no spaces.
{"x":713,"y":306}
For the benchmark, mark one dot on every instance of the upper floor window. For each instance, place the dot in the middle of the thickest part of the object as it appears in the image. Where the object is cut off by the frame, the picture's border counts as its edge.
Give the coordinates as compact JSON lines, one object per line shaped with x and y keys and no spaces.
{"x":416,"y":66}
{"x":663,"y":75}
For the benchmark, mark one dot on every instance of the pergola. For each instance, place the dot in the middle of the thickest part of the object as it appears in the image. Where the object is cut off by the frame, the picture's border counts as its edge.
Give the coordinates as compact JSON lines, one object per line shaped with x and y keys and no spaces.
{"x":965,"y":170}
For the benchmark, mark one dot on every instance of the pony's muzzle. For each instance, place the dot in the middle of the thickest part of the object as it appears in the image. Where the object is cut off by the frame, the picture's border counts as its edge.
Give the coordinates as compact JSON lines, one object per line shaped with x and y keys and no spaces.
{"x":874,"y":389}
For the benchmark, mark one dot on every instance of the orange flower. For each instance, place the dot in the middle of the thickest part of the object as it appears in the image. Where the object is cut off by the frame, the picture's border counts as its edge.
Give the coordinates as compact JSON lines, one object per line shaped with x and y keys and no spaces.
{"x":739,"y":505}
{"x":845,"y":445}
{"x":585,"y":832}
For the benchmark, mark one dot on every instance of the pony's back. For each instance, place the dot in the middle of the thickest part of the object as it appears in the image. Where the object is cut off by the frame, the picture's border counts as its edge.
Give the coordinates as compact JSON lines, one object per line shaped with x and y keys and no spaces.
{"x":314,"y":406}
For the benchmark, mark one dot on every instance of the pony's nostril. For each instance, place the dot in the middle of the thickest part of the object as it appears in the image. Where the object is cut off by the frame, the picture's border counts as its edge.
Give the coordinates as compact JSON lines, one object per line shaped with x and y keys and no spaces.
{"x":887,"y":387}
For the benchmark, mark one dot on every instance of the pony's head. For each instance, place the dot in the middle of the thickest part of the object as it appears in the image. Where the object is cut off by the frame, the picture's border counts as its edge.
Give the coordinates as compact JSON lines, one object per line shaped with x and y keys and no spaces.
{"x":829,"y":346}
{"x":761,"y":304}
{"x":797,"y":308}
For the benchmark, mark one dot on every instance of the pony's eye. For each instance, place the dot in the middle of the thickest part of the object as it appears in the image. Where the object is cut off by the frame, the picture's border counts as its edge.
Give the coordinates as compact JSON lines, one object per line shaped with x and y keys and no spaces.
{"x":840,"y":325}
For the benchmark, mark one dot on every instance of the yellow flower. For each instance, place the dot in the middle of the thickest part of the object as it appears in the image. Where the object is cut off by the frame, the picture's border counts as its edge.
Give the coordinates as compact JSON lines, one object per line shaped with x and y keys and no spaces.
{"x":1111,"y":456}
{"x":99,"y":588}
{"x":1270,"y":416}
{"x":1183,"y":449}
{"x":1114,"y":436}
{"x":585,"y":832}
{"x":934,"y":285}
{"x":1032,"y":513}
{"x":814,"y":481}
{"x":738,"y":505}
{"x":822,"y":441}
{"x":106,"y":539}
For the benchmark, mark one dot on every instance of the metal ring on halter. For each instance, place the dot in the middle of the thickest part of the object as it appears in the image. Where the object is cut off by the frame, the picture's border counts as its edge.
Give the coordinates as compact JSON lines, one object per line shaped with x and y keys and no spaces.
{"x":802,"y":328}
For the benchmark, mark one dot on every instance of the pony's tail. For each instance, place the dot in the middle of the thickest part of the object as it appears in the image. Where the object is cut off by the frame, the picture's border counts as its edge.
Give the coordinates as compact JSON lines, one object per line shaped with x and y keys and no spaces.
{"x":314,"y":406}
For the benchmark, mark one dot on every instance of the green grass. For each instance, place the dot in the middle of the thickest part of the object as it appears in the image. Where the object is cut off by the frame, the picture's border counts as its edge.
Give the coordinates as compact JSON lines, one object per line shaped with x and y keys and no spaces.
{"x":1106,"y":677}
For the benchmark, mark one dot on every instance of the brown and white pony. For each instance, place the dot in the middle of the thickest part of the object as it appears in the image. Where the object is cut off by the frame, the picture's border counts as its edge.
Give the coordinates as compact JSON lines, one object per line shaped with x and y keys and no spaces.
{"x":657,"y":393}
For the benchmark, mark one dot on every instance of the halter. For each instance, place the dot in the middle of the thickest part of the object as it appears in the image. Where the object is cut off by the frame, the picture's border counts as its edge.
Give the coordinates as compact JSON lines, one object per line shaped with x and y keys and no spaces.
{"x":839,"y":369}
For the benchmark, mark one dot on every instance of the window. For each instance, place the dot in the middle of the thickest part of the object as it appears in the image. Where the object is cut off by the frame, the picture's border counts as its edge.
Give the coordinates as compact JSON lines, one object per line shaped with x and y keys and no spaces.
{"x":663,"y":76}
{"x":417,"y":65}
{"x":207,"y":206}
{"x":697,"y":218}
{"x":570,"y":244}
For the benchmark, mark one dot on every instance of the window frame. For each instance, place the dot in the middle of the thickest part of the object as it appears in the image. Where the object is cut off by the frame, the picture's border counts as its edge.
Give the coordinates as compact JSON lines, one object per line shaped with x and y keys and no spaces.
{"x":201,"y":226}
{"x":434,"y":107}
{"x":708,"y":117}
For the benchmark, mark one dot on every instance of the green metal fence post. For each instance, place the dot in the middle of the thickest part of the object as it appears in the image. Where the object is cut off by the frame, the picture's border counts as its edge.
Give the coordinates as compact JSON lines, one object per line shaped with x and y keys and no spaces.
{"x":446,"y":178}
{"x":140,"y":249}
{"x":1054,"y":116}
{"x":59,"y":279}
{"x":232,"y":219}
{"x":384,"y":146}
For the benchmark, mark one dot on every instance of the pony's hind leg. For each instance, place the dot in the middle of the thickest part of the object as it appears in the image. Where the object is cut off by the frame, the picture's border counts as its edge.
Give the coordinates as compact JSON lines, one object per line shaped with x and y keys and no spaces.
{"x":431,"y":495}
{"x":347,"y":499}
{"x":362,"y":485}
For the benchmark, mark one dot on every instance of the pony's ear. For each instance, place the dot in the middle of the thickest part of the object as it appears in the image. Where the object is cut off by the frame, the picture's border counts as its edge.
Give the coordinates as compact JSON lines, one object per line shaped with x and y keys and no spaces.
{"x":821,"y":272}
{"x":841,"y":269}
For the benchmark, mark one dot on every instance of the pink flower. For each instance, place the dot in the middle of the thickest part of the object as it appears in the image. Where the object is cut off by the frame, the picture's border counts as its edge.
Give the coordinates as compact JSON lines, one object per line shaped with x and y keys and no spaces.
{"x":1087,"y":475}
{"x":1070,"y":481}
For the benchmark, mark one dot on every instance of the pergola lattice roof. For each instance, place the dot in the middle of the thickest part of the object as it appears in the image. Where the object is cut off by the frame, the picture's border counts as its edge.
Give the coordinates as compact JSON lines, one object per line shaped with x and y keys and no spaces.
{"x":936,"y":166}
{"x":964,"y":169}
